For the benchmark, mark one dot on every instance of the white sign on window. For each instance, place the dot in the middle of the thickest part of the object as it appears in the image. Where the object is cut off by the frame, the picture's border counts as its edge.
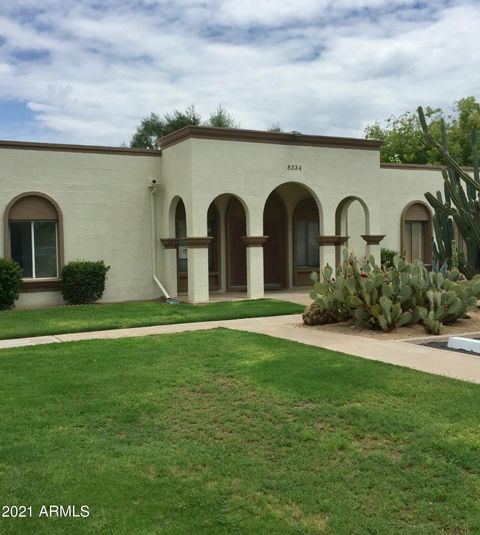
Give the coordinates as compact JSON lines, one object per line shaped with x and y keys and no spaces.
{"x":182,"y":252}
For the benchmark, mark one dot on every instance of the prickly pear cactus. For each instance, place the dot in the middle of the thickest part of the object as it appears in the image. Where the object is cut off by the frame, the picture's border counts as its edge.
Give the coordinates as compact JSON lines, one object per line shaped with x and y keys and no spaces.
{"x":380,"y":298}
{"x":314,"y":314}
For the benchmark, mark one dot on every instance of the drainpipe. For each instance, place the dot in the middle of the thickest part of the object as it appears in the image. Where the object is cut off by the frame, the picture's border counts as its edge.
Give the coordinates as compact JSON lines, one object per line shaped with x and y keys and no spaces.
{"x":152,"y":187}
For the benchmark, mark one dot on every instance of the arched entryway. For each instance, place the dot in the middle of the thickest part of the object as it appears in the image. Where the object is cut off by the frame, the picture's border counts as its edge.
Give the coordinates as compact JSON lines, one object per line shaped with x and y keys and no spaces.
{"x":275,"y":224}
{"x":292,"y":223}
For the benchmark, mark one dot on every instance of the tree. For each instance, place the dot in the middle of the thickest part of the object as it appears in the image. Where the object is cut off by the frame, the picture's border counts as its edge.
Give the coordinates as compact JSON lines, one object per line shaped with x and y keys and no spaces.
{"x":275,"y":127}
{"x":222,"y":119}
{"x":154,"y":126}
{"x":404,"y":141}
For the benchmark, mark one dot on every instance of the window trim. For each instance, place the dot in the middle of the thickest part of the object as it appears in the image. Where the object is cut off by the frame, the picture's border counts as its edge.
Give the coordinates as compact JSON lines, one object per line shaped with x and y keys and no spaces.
{"x":43,"y":284}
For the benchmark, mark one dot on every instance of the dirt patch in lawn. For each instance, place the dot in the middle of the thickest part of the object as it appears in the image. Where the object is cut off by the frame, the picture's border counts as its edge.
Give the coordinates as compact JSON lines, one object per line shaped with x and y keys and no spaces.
{"x":470,"y":325}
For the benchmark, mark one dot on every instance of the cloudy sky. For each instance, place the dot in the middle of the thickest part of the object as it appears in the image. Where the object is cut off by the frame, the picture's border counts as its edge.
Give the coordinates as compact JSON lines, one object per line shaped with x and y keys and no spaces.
{"x":86,"y":71}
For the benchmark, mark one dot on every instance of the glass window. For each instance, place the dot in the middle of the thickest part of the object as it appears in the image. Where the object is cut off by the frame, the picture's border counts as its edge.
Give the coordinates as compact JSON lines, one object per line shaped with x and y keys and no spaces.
{"x":300,"y":240}
{"x":21,"y":246}
{"x":45,"y":233}
{"x":33,"y":245}
{"x":307,"y":251}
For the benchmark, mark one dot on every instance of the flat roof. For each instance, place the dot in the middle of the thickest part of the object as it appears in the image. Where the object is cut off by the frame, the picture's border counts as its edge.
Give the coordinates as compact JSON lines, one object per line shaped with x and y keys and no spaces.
{"x":259,"y":136}
{"x":61,"y":147}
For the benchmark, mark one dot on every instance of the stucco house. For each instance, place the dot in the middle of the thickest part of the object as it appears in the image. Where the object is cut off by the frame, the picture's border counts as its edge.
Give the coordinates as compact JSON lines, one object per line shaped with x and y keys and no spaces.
{"x":215,"y":210}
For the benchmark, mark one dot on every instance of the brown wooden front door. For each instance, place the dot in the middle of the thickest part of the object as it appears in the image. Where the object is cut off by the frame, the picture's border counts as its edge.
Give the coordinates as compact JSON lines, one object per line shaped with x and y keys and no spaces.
{"x":236,"y":251}
{"x":275,"y":249}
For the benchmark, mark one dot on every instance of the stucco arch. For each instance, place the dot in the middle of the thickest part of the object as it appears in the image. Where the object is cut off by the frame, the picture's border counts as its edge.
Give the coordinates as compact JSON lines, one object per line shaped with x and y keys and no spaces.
{"x":220,"y":247}
{"x":303,"y":187}
{"x":290,"y":233}
{"x":172,"y":210}
{"x":343,"y":226}
{"x":412,"y":203}
{"x":343,"y":205}
{"x":222,"y":200}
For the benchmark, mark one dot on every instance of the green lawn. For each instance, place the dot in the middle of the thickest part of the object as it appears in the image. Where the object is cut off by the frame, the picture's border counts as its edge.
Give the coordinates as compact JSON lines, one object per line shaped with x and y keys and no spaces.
{"x":71,"y":319}
{"x":223,"y":432}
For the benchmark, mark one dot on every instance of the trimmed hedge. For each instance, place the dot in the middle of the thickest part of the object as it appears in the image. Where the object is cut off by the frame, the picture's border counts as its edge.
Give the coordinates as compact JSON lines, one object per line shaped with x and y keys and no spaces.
{"x":83,"y":281}
{"x":10,"y":281}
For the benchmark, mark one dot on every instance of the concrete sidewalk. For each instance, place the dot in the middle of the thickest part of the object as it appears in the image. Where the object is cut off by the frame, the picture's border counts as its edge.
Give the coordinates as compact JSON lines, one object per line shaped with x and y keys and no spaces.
{"x":401,"y":353}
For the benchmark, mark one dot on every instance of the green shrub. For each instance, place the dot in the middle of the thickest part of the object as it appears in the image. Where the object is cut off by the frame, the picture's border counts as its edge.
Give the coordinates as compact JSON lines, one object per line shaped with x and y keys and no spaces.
{"x":382,"y":298}
{"x":387,"y":256}
{"x":10,"y":281}
{"x":83,"y":281}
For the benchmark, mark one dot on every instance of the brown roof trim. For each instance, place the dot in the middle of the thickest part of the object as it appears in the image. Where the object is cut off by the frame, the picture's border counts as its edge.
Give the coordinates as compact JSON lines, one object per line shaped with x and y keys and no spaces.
{"x":420,"y":166}
{"x":258,"y":136}
{"x":60,"y":147}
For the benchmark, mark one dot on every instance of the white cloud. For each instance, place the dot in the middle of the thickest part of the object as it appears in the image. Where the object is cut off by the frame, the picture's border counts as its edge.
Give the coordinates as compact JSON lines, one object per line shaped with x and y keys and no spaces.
{"x":326,"y":67}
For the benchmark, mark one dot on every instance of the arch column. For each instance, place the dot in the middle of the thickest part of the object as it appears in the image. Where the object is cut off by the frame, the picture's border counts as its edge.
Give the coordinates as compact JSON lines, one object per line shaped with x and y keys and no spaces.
{"x":254,"y":243}
{"x":255,"y":284}
{"x":330,"y":244}
{"x":373,"y":247}
{"x":198,"y":284}
{"x":170,"y":264}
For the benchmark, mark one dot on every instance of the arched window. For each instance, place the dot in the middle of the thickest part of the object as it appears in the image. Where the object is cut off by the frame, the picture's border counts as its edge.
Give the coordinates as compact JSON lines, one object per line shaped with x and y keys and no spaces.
{"x":417,"y":233}
{"x":33,"y":232}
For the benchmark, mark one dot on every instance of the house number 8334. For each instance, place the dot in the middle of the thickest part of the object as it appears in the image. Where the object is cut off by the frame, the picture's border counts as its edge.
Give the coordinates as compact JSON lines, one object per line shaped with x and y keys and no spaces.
{"x":294,"y":167}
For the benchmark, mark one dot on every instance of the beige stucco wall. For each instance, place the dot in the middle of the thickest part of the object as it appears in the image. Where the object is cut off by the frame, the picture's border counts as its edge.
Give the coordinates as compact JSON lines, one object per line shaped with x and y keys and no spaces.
{"x":252,"y":171}
{"x":105,"y":203}
{"x":201,"y":170}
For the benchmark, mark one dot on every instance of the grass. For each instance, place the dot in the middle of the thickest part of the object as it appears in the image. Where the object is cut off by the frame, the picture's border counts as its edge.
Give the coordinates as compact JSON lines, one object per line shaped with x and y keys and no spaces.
{"x":98,"y":317}
{"x":224,"y":432}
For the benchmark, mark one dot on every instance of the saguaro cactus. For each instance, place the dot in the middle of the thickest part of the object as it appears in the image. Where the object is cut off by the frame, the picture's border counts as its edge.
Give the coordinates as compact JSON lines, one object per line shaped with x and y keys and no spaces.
{"x":461,"y":204}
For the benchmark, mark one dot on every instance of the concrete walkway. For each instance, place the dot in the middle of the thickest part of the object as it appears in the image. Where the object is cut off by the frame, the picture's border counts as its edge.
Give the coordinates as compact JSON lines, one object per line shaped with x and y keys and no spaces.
{"x":402,"y":353}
